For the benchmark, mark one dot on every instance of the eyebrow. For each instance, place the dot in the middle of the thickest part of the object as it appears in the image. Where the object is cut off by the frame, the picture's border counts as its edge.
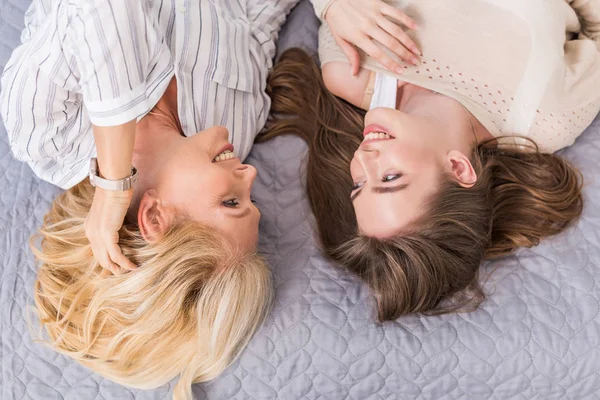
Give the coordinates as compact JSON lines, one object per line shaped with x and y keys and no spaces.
{"x":381,"y":189}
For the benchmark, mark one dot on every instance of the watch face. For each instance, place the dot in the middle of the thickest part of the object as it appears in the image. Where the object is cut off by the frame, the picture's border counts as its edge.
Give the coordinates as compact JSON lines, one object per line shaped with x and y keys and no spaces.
{"x":93,"y":166}
{"x":93,"y":171}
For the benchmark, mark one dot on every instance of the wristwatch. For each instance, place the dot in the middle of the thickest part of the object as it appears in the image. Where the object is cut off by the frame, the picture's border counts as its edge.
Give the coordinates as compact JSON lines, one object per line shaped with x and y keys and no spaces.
{"x":121,"y":185}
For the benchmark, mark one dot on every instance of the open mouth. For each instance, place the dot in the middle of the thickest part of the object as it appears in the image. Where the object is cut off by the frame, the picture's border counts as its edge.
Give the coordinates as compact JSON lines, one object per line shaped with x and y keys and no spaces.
{"x":377,"y":136}
{"x":375,"y":132}
{"x":224,"y":156}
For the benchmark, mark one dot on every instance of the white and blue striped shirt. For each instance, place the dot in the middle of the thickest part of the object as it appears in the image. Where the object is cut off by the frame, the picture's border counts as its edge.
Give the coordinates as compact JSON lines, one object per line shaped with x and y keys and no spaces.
{"x":106,"y":62}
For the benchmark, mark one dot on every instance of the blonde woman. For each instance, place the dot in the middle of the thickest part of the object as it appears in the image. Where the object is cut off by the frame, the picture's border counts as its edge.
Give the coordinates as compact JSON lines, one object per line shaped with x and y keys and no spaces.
{"x":413,"y":194}
{"x":143,"y":111}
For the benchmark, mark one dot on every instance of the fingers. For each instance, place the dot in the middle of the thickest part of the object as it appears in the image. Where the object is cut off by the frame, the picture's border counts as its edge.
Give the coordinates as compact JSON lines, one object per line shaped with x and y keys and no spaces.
{"x":397,"y":32}
{"x":117,"y":257}
{"x":102,"y":226}
{"x":104,"y":260}
{"x":379,"y":55}
{"x":352,"y":55}
{"x":105,"y":273}
{"x":110,"y":256}
{"x":394,"y":46}
{"x":398,"y":15}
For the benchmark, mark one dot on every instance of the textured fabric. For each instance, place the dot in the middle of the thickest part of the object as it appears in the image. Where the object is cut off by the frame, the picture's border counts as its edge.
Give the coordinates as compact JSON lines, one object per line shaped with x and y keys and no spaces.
{"x":107,"y":62}
{"x":321,"y":7}
{"x":536,"y":337}
{"x":507,"y":61}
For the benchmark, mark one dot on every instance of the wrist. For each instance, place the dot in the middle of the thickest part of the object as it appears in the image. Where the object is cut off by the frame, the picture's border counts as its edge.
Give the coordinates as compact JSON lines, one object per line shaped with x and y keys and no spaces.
{"x":123,"y":184}
{"x":116,"y":194}
{"x":113,"y":171}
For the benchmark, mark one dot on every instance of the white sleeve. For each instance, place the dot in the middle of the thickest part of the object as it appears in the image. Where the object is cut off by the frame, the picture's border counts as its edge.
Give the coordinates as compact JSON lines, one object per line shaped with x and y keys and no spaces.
{"x":72,"y":70}
{"x":116,"y":45}
{"x":267,"y":17}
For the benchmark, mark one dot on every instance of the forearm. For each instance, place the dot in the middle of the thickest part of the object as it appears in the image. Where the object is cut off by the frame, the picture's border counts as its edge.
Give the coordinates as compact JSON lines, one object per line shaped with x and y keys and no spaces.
{"x":357,"y":89}
{"x":114,"y":146}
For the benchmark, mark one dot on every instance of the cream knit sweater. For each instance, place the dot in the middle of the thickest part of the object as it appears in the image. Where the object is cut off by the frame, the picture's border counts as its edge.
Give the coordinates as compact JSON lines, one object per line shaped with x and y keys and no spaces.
{"x":521,"y":67}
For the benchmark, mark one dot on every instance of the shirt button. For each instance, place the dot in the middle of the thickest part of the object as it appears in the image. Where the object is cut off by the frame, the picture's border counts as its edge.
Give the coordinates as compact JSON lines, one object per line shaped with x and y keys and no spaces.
{"x":182,"y":9}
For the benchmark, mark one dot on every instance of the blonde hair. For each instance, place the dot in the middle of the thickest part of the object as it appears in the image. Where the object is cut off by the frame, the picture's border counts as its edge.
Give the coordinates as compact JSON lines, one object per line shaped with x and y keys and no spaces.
{"x":187,"y":310}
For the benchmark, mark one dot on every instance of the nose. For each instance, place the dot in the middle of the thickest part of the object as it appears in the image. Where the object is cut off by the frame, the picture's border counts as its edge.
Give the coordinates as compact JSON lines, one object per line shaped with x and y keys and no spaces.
{"x":366,"y":157}
{"x":365,"y":154}
{"x":369,"y":149}
{"x":246,"y":172}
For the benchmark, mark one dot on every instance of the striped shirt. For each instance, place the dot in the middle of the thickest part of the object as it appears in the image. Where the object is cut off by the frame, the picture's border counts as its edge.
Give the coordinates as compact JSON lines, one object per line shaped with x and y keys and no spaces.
{"x":106,"y":62}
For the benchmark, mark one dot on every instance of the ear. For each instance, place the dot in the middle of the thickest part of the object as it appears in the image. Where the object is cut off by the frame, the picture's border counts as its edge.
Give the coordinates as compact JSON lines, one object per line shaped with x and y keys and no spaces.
{"x":461,"y":169}
{"x":153,"y":217}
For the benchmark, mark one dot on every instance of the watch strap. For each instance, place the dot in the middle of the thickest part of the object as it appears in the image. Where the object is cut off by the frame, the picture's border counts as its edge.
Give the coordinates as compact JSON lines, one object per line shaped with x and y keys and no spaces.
{"x":120,"y":185}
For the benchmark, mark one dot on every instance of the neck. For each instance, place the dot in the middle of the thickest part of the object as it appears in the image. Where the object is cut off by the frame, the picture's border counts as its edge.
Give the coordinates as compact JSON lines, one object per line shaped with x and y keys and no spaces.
{"x":457,"y":121}
{"x":154,"y":134}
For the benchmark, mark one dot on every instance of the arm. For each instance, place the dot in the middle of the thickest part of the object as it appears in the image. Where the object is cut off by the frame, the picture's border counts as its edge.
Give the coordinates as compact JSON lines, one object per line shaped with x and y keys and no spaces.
{"x":115,"y":44}
{"x":116,"y":47}
{"x":105,"y":50}
{"x":114,"y":146}
{"x":355,"y":89}
{"x":269,"y":22}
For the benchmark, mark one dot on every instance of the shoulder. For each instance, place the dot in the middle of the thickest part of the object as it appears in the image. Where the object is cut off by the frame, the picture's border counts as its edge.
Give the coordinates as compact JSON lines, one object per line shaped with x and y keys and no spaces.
{"x":338,"y":79}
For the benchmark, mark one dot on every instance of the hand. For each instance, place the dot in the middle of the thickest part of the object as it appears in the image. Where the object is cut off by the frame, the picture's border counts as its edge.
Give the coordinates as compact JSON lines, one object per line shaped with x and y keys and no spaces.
{"x":102,"y":228}
{"x":359,"y":22}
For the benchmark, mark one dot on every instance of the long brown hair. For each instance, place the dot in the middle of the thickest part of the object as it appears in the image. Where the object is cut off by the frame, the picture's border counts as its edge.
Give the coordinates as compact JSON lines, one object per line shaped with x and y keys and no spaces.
{"x":521,"y":196}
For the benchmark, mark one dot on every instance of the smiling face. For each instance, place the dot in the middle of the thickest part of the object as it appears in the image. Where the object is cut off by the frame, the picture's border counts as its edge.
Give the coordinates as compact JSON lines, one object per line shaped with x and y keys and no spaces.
{"x":201,"y":178}
{"x":395,"y":172}
{"x":398,"y":168}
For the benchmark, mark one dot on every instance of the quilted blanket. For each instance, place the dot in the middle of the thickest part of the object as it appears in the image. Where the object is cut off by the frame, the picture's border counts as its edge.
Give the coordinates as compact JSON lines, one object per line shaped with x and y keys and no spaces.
{"x":536,"y":337}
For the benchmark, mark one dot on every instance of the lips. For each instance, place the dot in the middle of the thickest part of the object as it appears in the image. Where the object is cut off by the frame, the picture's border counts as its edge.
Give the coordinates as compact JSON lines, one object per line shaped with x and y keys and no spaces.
{"x":376,"y":128}
{"x":228,"y":146}
{"x":224,"y":153}
{"x":376,"y":133}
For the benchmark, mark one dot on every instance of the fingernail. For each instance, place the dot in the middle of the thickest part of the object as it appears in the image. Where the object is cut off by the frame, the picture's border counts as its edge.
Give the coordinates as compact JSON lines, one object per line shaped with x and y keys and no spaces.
{"x":399,"y":70}
{"x":415,"y":50}
{"x":414,"y":61}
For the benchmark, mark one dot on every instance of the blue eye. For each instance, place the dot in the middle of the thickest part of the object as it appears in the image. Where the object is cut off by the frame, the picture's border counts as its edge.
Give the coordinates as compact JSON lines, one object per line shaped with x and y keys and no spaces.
{"x":231,"y":203}
{"x":390,"y":177}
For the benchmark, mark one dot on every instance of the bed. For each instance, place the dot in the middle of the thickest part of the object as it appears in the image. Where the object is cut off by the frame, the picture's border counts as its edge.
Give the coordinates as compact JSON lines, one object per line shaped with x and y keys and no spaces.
{"x":536,"y":337}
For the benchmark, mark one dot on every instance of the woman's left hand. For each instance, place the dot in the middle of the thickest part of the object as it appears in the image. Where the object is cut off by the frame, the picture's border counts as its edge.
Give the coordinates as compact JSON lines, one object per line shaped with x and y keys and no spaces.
{"x":359,"y":22}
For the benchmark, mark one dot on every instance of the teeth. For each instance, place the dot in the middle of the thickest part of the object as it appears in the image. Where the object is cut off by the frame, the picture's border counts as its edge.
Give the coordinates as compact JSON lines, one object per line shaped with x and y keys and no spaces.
{"x":226,"y":155}
{"x":377,"y":135}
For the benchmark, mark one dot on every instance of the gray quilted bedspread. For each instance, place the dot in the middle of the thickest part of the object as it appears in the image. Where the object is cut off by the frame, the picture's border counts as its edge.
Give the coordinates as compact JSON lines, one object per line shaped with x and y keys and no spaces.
{"x":536,"y":337}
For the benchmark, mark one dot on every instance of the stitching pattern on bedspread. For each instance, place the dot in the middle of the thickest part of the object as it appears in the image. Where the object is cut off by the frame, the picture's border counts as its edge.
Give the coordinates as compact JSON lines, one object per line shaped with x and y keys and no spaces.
{"x":537,"y":336}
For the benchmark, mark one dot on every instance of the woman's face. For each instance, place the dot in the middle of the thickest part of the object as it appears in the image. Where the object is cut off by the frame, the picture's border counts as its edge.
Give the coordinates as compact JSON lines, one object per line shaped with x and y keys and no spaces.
{"x":200,"y":180}
{"x":396,"y":170}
